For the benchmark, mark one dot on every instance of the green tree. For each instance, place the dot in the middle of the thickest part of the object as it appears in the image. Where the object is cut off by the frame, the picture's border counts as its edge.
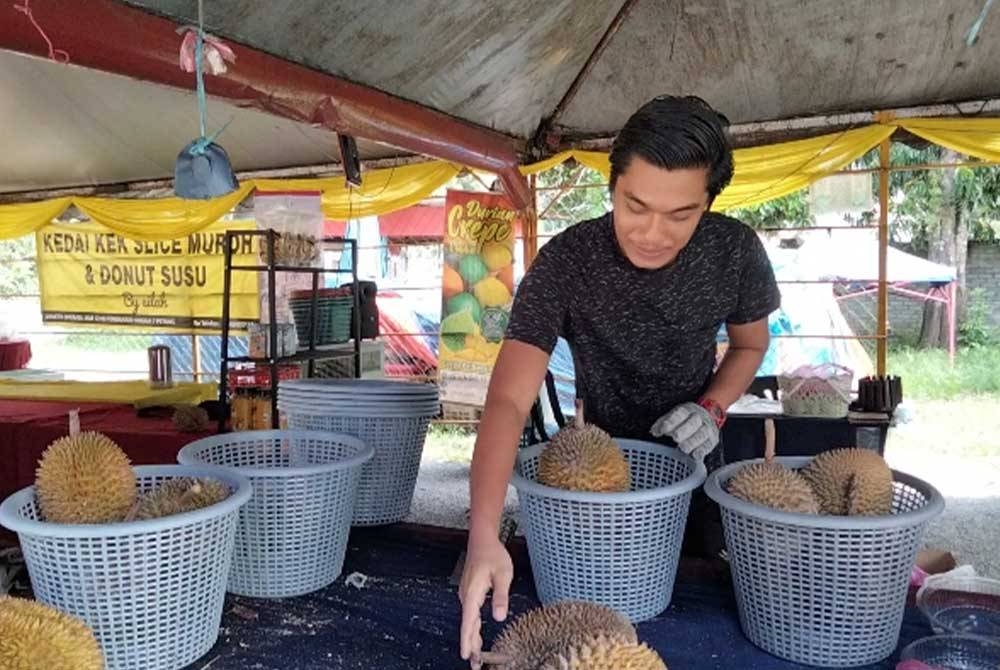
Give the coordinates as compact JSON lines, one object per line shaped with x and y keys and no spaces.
{"x":18,"y":275}
{"x":790,"y":211}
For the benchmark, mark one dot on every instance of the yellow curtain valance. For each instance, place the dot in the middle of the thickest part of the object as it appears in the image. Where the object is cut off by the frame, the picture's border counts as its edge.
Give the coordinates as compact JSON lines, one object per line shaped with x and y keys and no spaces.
{"x":383,"y":191}
{"x":761,"y":173}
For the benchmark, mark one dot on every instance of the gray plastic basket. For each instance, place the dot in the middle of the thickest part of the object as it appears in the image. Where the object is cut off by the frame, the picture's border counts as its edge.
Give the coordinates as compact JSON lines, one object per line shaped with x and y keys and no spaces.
{"x":616,"y":549}
{"x":152,"y":591}
{"x":823,"y":590}
{"x":292,"y":535}
{"x":388,"y":480}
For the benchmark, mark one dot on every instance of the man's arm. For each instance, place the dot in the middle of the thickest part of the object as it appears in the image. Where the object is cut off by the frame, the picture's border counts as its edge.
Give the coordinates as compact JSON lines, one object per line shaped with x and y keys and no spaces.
{"x":748,"y":343}
{"x":517,"y":376}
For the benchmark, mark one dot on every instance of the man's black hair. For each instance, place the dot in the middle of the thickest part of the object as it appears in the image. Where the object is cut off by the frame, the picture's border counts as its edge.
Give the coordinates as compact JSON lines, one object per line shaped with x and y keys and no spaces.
{"x":675,"y":132}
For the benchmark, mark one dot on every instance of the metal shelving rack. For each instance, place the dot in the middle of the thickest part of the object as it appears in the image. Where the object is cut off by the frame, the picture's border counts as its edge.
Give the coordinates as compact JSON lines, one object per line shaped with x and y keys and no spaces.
{"x":312,"y":353}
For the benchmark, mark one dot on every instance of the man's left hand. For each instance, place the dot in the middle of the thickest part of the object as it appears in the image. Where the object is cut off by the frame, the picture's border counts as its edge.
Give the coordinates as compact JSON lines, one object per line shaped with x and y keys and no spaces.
{"x":692,"y":427}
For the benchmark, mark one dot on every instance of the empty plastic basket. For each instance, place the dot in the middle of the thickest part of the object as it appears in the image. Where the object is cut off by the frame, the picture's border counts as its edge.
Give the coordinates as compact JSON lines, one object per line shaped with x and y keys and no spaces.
{"x":152,"y":591}
{"x":823,"y":590}
{"x":390,"y":416}
{"x":616,"y":549}
{"x":292,"y":535}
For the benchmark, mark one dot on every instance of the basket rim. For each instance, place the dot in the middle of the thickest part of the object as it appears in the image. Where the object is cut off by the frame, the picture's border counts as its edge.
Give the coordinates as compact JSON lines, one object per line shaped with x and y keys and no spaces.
{"x":364,"y":452}
{"x":692,"y":481}
{"x":931,"y":509}
{"x":11,"y":518}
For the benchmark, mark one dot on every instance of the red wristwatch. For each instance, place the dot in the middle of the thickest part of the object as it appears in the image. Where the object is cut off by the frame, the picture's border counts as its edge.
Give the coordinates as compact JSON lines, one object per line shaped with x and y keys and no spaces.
{"x":714,"y":410}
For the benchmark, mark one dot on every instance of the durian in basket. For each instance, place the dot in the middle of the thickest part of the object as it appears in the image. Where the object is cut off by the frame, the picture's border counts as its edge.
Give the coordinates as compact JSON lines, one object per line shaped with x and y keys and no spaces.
{"x":571,"y":635}
{"x":840,"y":482}
{"x":86,"y":478}
{"x":583,"y":457}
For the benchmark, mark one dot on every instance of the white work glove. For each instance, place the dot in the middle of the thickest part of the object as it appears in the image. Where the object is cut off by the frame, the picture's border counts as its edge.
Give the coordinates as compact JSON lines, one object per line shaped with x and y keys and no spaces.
{"x":691,"y":427}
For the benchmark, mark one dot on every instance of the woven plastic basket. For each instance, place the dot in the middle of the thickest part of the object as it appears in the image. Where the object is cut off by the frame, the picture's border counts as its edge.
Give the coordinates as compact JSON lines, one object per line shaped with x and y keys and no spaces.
{"x":616,"y":549}
{"x":152,"y":591}
{"x":292,"y":535}
{"x":823,"y":590}
{"x":385,"y":491}
{"x":333,"y":320}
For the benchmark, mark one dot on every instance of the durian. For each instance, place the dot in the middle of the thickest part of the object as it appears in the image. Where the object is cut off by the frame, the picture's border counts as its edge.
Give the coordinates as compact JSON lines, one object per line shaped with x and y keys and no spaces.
{"x":190,"y":419}
{"x":543,"y":634}
{"x":583,"y":457}
{"x":772,"y":484}
{"x":34,"y":636}
{"x":851,"y":481}
{"x":176,"y":496}
{"x":85,"y":478}
{"x":602,"y":654}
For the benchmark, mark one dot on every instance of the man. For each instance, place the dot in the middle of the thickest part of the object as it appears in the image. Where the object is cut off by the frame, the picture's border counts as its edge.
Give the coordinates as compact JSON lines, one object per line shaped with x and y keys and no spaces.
{"x":639,"y":294}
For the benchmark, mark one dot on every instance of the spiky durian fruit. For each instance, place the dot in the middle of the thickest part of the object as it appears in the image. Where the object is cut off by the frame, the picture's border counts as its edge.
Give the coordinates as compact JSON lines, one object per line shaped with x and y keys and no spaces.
{"x":851,"y":481}
{"x":772,"y":484}
{"x":34,"y":636}
{"x":582,"y":457}
{"x":183,"y":494}
{"x":600,"y":653}
{"x":190,"y":419}
{"x":85,"y":478}
{"x":541,"y":635}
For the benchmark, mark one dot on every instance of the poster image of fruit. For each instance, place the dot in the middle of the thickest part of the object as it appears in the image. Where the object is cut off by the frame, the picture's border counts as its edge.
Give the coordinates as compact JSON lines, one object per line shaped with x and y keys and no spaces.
{"x":477,"y":291}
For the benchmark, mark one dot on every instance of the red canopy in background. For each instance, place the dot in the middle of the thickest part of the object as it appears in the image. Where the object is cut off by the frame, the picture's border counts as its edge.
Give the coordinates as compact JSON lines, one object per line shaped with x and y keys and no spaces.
{"x":415,"y":221}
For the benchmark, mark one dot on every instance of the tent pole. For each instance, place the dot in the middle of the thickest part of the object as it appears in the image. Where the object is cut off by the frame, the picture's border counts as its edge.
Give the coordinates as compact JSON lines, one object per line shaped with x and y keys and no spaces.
{"x":952,"y":299}
{"x":529,"y":229}
{"x":883,"y":255}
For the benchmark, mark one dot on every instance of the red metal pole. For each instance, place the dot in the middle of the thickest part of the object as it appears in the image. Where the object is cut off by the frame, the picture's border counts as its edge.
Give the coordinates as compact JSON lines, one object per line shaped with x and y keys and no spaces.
{"x":113,"y":37}
{"x":952,"y":300}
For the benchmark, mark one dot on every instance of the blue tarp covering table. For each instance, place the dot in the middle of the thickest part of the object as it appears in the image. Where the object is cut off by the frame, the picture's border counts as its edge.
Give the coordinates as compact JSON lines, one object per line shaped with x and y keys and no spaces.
{"x":407,"y":617}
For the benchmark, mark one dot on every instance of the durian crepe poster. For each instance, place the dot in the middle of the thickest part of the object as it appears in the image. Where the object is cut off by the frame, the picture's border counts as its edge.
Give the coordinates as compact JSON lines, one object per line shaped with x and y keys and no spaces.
{"x":91,"y":276}
{"x":477,"y":291}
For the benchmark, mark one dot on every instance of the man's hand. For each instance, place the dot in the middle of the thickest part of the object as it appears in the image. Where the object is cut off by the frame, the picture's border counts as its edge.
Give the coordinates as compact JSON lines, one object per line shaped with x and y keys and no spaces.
{"x":488,"y":567}
{"x":691,"y":427}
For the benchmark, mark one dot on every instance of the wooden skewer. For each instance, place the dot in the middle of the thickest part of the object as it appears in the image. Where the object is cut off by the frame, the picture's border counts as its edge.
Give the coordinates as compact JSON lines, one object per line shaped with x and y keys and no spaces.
{"x":578,"y":420}
{"x":768,"y":440}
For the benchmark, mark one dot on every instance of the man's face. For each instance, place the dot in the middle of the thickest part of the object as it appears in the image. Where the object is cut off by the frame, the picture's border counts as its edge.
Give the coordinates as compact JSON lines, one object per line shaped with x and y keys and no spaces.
{"x":656,"y":211}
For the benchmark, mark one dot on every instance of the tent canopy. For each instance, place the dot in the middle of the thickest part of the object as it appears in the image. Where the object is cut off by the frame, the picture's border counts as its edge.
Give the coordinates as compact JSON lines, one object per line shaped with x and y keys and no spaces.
{"x":547,"y":75}
{"x":852,"y":257}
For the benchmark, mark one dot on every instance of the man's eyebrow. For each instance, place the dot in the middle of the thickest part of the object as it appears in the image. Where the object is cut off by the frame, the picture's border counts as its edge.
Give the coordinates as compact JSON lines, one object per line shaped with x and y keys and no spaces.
{"x":639,"y":201}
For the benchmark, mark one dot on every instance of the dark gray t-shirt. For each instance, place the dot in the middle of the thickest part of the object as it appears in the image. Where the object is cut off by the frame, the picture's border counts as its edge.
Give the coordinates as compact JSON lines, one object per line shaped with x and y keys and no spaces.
{"x":643,"y":341}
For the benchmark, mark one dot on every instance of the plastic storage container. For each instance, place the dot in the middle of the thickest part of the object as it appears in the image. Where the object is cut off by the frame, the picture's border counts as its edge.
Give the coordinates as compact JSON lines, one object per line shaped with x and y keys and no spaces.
{"x":616,"y":549}
{"x":292,"y":535}
{"x":152,"y":591}
{"x":390,"y":416}
{"x":823,"y":590}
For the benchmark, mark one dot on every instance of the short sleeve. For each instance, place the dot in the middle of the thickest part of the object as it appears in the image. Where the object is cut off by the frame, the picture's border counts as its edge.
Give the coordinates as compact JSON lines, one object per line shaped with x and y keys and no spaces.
{"x":540,"y":305}
{"x":758,"y":290}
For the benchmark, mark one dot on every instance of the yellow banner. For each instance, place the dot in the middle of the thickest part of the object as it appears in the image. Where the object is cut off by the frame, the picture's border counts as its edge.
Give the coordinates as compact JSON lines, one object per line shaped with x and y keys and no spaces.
{"x":91,"y":276}
{"x":477,"y":292}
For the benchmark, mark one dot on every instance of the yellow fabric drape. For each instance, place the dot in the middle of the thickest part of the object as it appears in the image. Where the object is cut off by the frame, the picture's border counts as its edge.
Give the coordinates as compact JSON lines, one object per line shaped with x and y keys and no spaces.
{"x":382,"y":191}
{"x":763,"y":173}
{"x":595,"y":160}
{"x":160,"y":219}
{"x":20,"y":220}
{"x":974,"y":137}
{"x":768,"y":172}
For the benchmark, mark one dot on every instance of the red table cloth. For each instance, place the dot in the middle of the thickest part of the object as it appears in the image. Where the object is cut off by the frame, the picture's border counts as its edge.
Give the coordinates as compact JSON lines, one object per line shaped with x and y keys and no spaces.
{"x":14,"y":354}
{"x":27,"y":427}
